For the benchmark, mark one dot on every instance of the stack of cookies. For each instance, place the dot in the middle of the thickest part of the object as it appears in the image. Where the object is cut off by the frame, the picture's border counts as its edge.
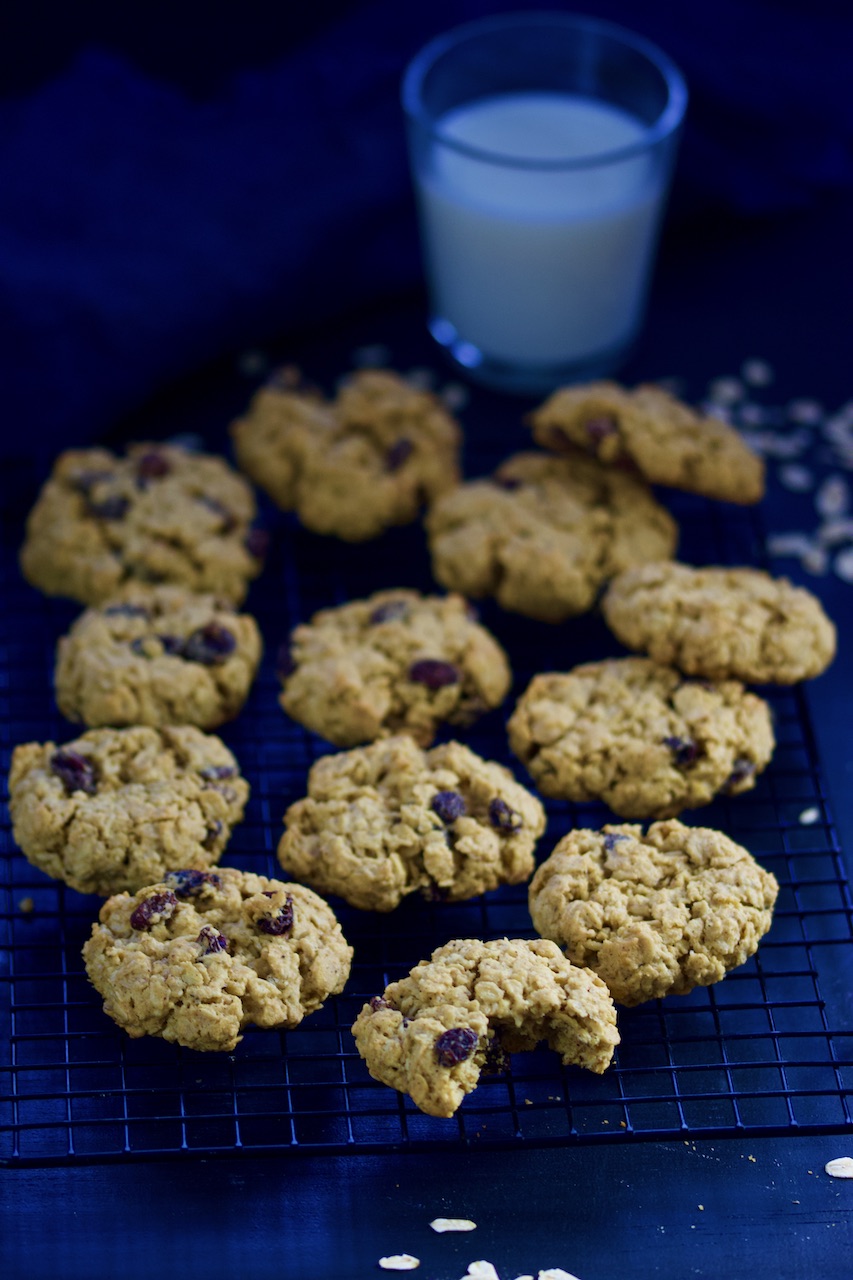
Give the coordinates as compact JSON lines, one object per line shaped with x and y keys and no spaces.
{"x":160,"y":545}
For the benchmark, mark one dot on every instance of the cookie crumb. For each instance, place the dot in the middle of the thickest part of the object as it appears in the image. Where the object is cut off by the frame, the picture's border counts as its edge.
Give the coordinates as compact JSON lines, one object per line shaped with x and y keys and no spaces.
{"x":26,"y":906}
{"x":751,"y":1159}
{"x":840,"y":1168}
{"x":399,"y":1262}
{"x":452,"y":1224}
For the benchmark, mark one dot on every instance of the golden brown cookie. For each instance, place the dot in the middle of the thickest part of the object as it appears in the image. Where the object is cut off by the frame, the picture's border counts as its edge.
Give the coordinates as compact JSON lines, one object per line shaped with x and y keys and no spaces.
{"x":545,"y":533}
{"x":640,"y":737}
{"x":198,"y":956}
{"x":655,"y":914}
{"x":647,"y":428}
{"x":398,"y":662}
{"x":118,"y":808}
{"x":157,"y":655}
{"x":721,"y":622}
{"x":431,"y":1034}
{"x":354,"y":466}
{"x":159,"y":514}
{"x":386,"y":820}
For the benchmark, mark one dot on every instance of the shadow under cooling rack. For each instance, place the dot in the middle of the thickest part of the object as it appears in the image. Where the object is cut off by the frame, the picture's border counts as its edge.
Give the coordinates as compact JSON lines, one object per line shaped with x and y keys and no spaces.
{"x":767,"y":1051}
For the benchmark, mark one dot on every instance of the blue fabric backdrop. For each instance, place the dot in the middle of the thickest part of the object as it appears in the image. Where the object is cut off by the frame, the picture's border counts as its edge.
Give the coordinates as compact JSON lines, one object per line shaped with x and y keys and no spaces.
{"x":167,"y":200}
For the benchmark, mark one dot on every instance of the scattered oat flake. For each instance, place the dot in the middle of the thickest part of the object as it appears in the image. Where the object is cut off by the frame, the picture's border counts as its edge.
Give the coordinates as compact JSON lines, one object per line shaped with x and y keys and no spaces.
{"x":840,"y":1168}
{"x":808,"y":412}
{"x":758,"y":373}
{"x":816,"y":560}
{"x":843,"y":564}
{"x":453,"y":1224}
{"x":789,"y":544}
{"x":753,"y":415}
{"x":796,"y":478}
{"x":26,"y":906}
{"x":555,"y":1273}
{"x":809,"y":816}
{"x":833,"y":496}
{"x":399,"y":1262}
{"x":726,"y":390}
{"x":482,"y":1271}
{"x":752,"y":1159}
{"x":838,"y":529}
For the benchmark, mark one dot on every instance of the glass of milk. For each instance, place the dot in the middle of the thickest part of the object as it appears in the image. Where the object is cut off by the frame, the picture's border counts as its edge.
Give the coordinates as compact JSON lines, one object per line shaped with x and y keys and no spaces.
{"x":541,"y":146}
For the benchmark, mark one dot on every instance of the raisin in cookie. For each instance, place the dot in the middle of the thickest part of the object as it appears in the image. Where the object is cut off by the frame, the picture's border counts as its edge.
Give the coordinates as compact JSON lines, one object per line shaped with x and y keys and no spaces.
{"x":157,"y":655}
{"x":353,"y":467}
{"x":118,"y":808}
{"x":431,"y":1034}
{"x":721,"y":622}
{"x":398,"y":662}
{"x":382,"y":821}
{"x":655,"y":914}
{"x":198,"y":956}
{"x":545,"y":533}
{"x":160,"y":514}
{"x":649,"y":429}
{"x":640,"y":737}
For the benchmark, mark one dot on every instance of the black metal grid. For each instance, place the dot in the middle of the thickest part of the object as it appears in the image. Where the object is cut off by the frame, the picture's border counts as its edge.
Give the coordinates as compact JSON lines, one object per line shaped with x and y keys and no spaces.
{"x":769,"y":1050}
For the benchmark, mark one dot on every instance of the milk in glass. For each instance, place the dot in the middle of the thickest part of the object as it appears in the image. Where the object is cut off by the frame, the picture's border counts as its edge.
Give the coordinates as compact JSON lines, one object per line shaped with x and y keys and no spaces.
{"x":539,"y":239}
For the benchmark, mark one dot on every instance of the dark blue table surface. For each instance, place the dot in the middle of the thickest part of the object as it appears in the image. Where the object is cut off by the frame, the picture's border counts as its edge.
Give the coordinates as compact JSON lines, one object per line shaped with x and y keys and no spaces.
{"x":724,"y":1208}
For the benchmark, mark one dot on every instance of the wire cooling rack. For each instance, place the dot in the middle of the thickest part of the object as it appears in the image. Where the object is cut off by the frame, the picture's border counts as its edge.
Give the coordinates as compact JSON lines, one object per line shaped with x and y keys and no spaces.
{"x":767,"y":1051}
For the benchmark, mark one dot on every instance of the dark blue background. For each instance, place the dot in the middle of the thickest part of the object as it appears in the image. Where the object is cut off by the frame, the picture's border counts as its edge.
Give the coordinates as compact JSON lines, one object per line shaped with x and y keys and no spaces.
{"x":178,"y":184}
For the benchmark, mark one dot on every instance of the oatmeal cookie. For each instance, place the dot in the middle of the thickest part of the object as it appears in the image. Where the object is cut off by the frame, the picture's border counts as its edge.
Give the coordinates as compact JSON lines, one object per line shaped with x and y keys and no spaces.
{"x":398,"y":662}
{"x":668,"y":442}
{"x":721,"y":622}
{"x":383,"y":821}
{"x":357,"y":465}
{"x":431,"y":1034}
{"x":640,"y":737}
{"x":160,"y":514}
{"x":655,"y":914}
{"x":545,"y":533}
{"x":198,"y":956}
{"x":118,"y":808}
{"x":157,"y":655}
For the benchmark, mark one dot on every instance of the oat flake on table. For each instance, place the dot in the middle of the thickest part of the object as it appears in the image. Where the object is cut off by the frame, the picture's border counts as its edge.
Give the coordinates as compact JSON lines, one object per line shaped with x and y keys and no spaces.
{"x":840,"y":1168}
{"x":452,"y":1224}
{"x":399,"y":1262}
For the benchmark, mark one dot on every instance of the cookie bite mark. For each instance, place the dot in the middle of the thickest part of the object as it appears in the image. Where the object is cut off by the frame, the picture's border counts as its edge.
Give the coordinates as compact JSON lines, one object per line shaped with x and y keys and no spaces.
{"x":432,"y":1034}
